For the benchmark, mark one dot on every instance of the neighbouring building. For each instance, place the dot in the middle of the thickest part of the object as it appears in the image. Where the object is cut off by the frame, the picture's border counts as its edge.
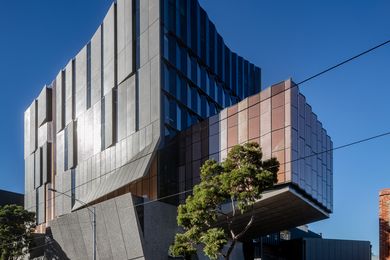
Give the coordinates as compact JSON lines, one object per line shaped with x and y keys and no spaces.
{"x":301,"y":243}
{"x":384,"y":224}
{"x":126,"y":124}
{"x":9,"y":197}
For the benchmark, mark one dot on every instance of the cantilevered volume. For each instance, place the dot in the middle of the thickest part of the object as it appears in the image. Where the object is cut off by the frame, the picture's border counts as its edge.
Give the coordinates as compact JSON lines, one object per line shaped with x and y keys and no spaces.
{"x":135,"y":113}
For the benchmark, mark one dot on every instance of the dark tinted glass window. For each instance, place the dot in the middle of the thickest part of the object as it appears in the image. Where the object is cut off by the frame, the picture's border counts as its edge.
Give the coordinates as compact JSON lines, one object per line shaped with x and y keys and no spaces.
{"x":171,"y":15}
{"x":246,"y":80}
{"x":203,"y":34}
{"x":194,"y":25}
{"x":183,"y":20}
{"x":240,"y":79}
{"x":212,"y":45}
{"x":227,"y":67}
{"x":234,"y":73}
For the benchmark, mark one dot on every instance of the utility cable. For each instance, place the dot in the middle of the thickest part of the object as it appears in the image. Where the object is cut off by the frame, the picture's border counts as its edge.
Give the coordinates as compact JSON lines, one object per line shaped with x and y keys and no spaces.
{"x":295,"y":85}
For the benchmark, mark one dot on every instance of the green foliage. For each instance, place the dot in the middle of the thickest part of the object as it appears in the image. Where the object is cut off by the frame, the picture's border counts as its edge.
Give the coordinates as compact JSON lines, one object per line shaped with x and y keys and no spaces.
{"x":239,"y":179}
{"x":16,"y":227}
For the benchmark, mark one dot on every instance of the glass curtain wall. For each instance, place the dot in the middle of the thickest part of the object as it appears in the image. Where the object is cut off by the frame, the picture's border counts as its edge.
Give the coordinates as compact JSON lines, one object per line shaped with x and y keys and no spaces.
{"x":200,"y":74}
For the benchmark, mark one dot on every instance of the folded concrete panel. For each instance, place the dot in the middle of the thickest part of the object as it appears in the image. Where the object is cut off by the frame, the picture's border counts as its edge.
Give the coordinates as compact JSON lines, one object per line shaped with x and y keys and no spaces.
{"x":27,"y":132}
{"x":46,"y":162}
{"x":124,"y":38}
{"x":60,"y":101}
{"x":109,"y":62}
{"x":80,"y":82}
{"x":69,"y":92}
{"x":44,"y":106}
{"x":33,"y":127}
{"x":41,"y":204}
{"x":38,"y":168}
{"x":96,"y":66}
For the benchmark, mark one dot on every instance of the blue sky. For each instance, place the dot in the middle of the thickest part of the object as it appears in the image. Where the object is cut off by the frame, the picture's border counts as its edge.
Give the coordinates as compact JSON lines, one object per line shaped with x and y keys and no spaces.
{"x":285,"y":38}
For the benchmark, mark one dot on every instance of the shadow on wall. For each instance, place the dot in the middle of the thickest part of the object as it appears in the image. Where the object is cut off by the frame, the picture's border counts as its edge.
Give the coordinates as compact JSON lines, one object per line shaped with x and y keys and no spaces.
{"x":384,"y":239}
{"x":53,"y":250}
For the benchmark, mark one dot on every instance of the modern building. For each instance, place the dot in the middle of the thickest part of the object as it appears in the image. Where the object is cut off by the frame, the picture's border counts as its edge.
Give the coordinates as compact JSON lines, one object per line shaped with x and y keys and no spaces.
{"x":9,"y":197}
{"x":301,"y":243}
{"x":384,"y":224}
{"x":126,"y":124}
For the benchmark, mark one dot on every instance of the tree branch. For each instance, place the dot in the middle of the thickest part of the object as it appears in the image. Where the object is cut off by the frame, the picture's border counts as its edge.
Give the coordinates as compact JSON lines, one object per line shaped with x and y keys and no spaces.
{"x":246,"y":228}
{"x":233,"y":206}
{"x":231,"y":247}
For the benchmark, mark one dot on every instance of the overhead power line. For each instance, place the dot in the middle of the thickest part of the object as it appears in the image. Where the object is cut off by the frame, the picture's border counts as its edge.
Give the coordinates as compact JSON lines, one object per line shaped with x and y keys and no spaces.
{"x":298,"y":159}
{"x":295,"y":85}
{"x":344,"y":62}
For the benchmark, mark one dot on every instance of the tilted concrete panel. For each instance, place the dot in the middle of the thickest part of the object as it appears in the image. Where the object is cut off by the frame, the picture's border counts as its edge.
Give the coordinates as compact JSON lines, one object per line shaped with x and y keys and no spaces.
{"x":44,"y":106}
{"x":111,"y":219}
{"x":60,"y":101}
{"x":46,"y":162}
{"x":72,"y":144}
{"x":109,"y":62}
{"x":124,"y":38}
{"x":109,"y":119}
{"x":122,"y":111}
{"x":131,"y":105}
{"x":41,"y":203}
{"x":38,"y":168}
{"x":119,"y":234}
{"x":45,"y":134}
{"x":81,"y":82}
{"x":27,"y":114}
{"x":69,"y":92}
{"x":96,"y":66}
{"x":33,"y":127}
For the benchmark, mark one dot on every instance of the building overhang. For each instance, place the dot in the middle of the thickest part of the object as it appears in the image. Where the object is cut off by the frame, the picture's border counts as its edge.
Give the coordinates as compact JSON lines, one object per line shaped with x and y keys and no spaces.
{"x":282,"y":208}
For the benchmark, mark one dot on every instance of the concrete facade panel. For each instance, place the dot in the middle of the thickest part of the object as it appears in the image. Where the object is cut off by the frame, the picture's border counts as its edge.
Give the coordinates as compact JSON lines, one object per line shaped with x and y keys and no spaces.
{"x":144,"y":96}
{"x":103,"y":248}
{"x":109,"y":119}
{"x":81,"y":82}
{"x":46,"y":162}
{"x":130,"y":226}
{"x":144,"y":48}
{"x":76,"y":234}
{"x":96,"y":66}
{"x":131,"y":106}
{"x":41,"y":203}
{"x":154,"y":11}
{"x":109,"y":50}
{"x":72,"y":144}
{"x":122,"y":111}
{"x":97,"y":127}
{"x":124,"y":38}
{"x":69,"y":92}
{"x":60,"y":101}
{"x":27,"y":133}
{"x":44,"y":106}
{"x":45,"y":134}
{"x":38,"y":168}
{"x":85,"y":222}
{"x":114,"y":230}
{"x":144,"y":16}
{"x":33,"y":127}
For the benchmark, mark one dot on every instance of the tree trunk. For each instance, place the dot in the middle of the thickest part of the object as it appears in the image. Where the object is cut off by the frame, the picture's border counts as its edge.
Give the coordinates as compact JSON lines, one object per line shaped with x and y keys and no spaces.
{"x":230,"y":250}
